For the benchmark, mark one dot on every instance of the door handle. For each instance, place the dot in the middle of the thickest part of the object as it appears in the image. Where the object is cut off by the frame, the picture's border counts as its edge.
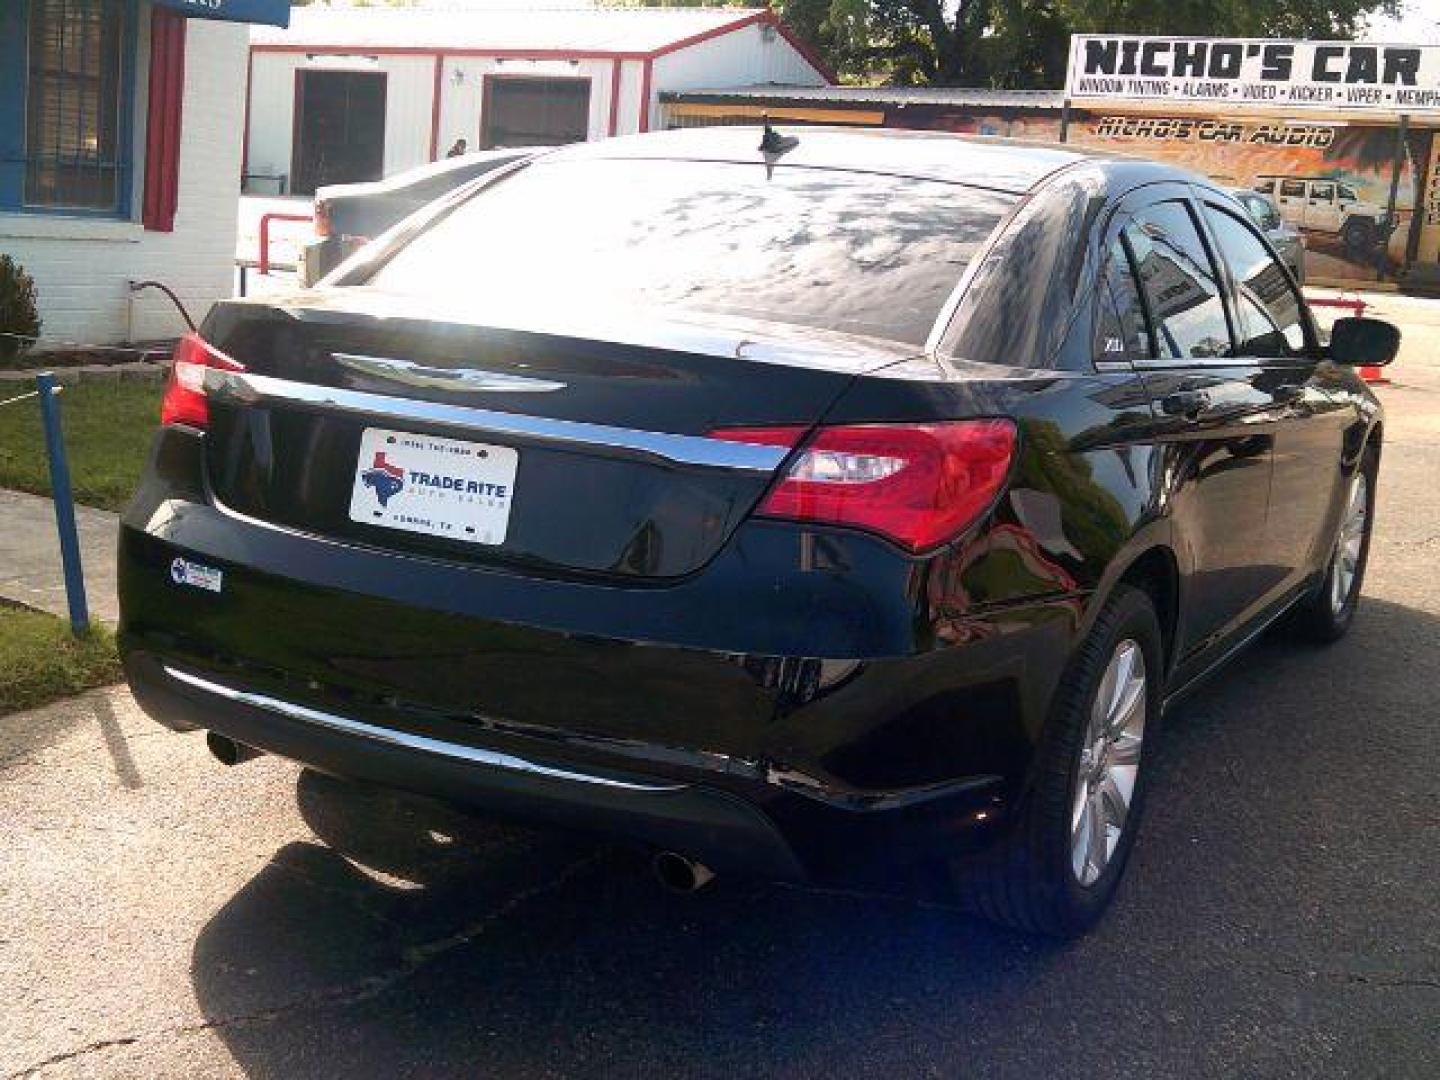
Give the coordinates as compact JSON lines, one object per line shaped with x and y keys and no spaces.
{"x":1190,"y":404}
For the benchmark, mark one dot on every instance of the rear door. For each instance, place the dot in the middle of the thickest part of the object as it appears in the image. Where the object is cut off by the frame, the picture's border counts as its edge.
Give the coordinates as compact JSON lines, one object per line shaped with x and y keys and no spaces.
{"x":1275,"y":336}
{"x":531,"y":110}
{"x":1213,"y":417}
{"x":339,"y":128}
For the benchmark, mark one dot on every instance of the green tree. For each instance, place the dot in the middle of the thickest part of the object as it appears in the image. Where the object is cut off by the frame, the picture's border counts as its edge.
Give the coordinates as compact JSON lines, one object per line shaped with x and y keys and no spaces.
{"x":1022,"y":44}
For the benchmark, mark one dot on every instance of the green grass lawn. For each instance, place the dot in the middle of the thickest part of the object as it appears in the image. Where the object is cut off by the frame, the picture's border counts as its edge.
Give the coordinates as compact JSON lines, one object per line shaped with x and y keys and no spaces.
{"x":40,"y":661}
{"x":108,"y":424}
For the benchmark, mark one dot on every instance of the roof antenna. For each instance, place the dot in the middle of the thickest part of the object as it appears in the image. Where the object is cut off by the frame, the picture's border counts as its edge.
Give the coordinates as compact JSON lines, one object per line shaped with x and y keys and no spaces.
{"x":772,"y":142}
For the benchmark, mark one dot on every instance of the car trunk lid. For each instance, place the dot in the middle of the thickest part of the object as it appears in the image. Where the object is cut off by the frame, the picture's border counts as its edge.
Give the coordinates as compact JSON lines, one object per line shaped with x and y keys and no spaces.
{"x":582,"y":448}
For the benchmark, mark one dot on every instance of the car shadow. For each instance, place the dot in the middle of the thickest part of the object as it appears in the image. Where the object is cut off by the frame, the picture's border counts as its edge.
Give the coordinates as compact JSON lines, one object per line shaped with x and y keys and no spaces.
{"x":411,"y":938}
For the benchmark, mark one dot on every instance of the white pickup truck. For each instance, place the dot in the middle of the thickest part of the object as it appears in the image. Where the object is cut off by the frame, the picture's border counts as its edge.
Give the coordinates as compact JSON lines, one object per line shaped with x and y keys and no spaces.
{"x":1326,"y":205}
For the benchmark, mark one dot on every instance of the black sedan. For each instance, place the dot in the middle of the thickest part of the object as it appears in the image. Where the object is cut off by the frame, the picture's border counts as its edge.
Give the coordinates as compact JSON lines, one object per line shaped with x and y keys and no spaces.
{"x":829,"y":506}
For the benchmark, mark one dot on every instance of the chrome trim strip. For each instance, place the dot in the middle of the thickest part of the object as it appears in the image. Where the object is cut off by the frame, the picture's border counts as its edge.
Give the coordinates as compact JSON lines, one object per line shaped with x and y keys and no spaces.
{"x":404,"y":739}
{"x":458,"y":380}
{"x":250,"y":388}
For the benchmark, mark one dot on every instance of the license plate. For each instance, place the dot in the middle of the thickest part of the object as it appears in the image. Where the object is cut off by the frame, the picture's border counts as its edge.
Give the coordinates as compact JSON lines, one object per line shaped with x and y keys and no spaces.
{"x":439,"y":487}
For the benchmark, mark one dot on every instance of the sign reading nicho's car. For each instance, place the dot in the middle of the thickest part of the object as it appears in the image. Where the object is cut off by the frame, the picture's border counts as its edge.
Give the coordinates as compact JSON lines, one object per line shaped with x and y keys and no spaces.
{"x":1333,"y":76}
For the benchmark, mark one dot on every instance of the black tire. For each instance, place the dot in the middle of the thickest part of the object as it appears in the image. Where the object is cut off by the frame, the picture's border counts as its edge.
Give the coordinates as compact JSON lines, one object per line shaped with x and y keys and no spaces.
{"x":1028,"y":880}
{"x":1360,"y":236}
{"x":1318,"y":618}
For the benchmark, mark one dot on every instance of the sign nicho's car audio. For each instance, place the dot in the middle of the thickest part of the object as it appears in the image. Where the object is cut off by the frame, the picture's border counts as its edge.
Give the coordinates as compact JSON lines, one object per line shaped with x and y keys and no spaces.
{"x":1329,"y":76}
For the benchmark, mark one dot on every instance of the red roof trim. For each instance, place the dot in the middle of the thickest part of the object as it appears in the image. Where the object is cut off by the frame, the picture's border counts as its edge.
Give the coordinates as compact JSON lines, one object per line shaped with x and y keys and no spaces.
{"x":428,"y":50}
{"x":715,"y":31}
{"x":749,"y":18}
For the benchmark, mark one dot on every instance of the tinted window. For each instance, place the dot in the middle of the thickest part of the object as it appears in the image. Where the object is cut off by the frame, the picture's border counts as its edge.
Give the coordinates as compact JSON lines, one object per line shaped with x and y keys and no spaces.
{"x":1020,"y":303}
{"x":1121,"y":331}
{"x":1347,"y":192}
{"x":1293,"y":189}
{"x":1259,"y":209}
{"x":1265,"y":187}
{"x":1180,"y":283}
{"x":861,"y":253}
{"x":1269,"y":309}
{"x":1323,"y":192}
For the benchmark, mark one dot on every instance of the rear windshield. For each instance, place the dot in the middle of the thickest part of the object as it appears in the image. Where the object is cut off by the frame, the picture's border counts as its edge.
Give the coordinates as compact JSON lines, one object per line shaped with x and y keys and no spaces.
{"x":858,"y":253}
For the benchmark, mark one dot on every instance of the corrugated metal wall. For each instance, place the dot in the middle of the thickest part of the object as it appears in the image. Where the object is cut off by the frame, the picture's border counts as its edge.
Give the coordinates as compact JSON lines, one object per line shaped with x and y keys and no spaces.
{"x":751,"y":55}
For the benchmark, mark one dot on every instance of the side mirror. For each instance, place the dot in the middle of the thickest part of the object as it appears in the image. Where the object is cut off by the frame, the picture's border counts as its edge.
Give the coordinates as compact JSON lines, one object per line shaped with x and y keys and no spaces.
{"x":1364,"y":342}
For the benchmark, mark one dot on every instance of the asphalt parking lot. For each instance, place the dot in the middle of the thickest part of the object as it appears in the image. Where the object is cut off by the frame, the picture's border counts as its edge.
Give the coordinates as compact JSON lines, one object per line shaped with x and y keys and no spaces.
{"x":162,"y":916}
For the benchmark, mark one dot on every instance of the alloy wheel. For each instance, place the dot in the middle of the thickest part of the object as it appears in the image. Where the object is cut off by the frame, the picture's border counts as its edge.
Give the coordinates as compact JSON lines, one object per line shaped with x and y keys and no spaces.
{"x":1345,"y":563}
{"x":1109,"y":763}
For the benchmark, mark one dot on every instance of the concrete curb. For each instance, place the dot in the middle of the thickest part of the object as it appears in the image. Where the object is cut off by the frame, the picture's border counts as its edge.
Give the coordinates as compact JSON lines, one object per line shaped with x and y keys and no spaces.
{"x":138,"y":369}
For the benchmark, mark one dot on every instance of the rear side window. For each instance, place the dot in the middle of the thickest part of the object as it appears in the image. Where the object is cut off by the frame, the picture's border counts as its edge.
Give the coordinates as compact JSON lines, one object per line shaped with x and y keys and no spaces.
{"x":1293,"y":189}
{"x":1022,"y":299}
{"x":1180,"y":283}
{"x":1121,"y":331}
{"x":859,"y":253}
{"x":1267,"y":304}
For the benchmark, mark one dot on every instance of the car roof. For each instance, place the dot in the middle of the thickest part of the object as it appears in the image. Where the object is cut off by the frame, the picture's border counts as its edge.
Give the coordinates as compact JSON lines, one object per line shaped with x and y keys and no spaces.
{"x":1009,"y":165}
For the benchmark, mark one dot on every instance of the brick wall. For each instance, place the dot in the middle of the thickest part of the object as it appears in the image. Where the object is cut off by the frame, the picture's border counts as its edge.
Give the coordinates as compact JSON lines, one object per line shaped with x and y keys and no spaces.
{"x":82,"y":265}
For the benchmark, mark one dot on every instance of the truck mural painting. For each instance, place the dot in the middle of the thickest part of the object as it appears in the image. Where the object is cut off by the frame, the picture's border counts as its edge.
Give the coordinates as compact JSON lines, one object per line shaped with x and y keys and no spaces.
{"x":1329,"y":180}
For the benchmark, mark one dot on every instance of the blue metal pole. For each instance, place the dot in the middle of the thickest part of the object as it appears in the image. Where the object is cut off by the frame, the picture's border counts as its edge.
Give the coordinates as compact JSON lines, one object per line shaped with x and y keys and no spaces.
{"x":64,"y":503}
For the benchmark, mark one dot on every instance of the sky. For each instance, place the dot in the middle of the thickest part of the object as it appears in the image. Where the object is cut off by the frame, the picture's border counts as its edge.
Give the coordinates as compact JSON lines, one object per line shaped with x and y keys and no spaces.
{"x":1419,"y":24}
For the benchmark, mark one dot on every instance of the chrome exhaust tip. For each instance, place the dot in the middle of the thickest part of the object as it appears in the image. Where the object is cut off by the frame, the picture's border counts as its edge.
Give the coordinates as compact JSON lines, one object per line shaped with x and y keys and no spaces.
{"x":681,"y":874}
{"x":229,"y":752}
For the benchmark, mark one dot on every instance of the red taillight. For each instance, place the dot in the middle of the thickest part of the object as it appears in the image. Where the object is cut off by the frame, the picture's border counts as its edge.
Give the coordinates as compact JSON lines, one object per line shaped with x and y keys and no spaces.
{"x":184,"y":401}
{"x":322,"y":218}
{"x":918,"y":484}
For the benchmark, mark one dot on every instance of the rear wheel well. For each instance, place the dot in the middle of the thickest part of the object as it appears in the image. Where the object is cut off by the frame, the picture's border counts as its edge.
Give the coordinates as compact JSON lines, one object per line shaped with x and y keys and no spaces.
{"x":1155,"y":574}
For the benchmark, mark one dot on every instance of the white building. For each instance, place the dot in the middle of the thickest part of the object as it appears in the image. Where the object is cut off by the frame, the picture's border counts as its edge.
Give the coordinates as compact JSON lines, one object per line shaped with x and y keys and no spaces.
{"x":120,"y":156}
{"x":357,"y":94}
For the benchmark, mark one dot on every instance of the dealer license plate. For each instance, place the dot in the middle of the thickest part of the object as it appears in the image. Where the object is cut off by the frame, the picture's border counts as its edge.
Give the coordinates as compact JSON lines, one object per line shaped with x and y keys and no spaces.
{"x":439,"y":487}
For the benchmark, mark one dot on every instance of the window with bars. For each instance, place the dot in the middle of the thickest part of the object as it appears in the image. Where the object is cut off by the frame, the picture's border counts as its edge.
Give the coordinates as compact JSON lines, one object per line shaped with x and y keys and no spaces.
{"x":76,"y":155}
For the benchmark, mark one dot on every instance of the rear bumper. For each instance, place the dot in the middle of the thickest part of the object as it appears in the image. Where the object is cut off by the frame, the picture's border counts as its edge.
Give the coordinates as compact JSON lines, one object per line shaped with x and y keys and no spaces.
{"x":753,"y":825}
{"x":718,"y":828}
{"x":807,"y":705}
